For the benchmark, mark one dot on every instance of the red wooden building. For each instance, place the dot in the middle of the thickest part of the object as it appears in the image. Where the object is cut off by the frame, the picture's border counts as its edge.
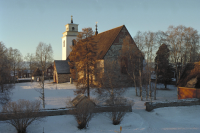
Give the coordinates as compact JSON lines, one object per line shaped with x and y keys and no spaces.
{"x":189,"y":83}
{"x":49,"y":72}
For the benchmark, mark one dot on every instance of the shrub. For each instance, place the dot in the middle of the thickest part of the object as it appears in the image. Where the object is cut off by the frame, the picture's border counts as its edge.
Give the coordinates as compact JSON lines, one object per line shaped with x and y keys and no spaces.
{"x":119,"y":111}
{"x":84,"y":113}
{"x":21,"y":114}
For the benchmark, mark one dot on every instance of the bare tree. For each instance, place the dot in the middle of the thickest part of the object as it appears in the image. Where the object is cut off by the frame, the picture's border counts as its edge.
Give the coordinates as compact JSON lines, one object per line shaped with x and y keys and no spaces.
{"x":139,"y":40}
{"x":30,"y":59}
{"x":132,"y":53}
{"x":184,"y":46}
{"x":44,"y":54}
{"x":84,"y":112}
{"x":109,"y":86}
{"x":5,"y":75}
{"x":111,"y":90}
{"x":17,"y":60}
{"x":149,"y":47}
{"x":21,"y":114}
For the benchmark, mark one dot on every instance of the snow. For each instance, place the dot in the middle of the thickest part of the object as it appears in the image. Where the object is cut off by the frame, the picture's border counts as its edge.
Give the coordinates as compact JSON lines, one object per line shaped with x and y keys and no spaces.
{"x":161,"y":120}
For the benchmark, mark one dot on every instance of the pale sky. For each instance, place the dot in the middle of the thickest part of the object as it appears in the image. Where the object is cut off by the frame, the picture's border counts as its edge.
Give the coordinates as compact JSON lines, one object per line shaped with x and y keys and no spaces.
{"x":25,"y":23}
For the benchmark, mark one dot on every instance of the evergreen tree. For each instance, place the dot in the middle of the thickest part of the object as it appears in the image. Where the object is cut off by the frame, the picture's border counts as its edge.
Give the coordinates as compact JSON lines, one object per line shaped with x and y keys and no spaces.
{"x":83,"y":60}
{"x":162,"y":67}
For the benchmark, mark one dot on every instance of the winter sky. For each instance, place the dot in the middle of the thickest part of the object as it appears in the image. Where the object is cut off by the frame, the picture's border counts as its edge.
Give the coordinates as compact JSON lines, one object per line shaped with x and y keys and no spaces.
{"x":25,"y":23}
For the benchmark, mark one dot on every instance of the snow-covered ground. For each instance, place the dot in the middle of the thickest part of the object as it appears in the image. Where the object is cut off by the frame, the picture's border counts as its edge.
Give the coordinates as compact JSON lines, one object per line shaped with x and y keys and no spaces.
{"x":161,"y":120}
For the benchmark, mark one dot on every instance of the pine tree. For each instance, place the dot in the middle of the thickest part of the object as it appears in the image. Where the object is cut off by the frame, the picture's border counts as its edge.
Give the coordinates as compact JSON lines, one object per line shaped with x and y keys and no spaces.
{"x":162,"y":66}
{"x":83,"y":61}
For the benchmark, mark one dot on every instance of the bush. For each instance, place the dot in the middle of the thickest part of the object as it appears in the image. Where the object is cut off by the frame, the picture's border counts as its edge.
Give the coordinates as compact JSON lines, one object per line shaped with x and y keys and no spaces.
{"x":21,"y":114}
{"x":84,"y":113}
{"x":118,"y":112}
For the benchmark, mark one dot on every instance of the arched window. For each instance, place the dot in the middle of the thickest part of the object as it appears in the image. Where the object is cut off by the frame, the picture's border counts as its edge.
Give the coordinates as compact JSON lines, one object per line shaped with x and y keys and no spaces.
{"x":73,"y":42}
{"x":124,"y":65}
{"x":73,"y":28}
{"x":64,"y":43}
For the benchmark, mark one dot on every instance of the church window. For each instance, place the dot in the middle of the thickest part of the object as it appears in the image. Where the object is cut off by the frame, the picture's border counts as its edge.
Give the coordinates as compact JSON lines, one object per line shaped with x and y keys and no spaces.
{"x":73,"y":42}
{"x":73,"y":28}
{"x":63,"y":43}
{"x":124,"y":65}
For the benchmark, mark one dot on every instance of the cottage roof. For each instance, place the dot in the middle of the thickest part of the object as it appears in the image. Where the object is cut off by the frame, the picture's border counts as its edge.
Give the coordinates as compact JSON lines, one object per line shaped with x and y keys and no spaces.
{"x":81,"y":99}
{"x":62,"y":66}
{"x":190,"y":72}
{"x":78,"y":99}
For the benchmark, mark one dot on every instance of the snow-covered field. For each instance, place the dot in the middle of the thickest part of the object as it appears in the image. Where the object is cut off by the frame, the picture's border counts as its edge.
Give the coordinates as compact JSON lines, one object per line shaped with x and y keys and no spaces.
{"x":161,"y":120}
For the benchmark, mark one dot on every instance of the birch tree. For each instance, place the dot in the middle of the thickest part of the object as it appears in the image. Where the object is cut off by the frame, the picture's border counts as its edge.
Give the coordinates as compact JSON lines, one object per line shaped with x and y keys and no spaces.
{"x":5,"y":75}
{"x":149,"y":42}
{"x":17,"y":60}
{"x":184,"y":46}
{"x":44,"y":54}
{"x":30,"y":59}
{"x":132,"y":53}
{"x":139,"y":40}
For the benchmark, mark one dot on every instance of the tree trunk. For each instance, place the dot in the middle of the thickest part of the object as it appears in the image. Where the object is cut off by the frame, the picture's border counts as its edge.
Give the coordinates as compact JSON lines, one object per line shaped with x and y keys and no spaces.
{"x":150,"y":85}
{"x":156,"y":82}
{"x":43,"y":98}
{"x":88,"y":79}
{"x":165,"y":85}
{"x":135,"y":84}
{"x":146,"y":92}
{"x":140,"y":73}
{"x":14,"y":75}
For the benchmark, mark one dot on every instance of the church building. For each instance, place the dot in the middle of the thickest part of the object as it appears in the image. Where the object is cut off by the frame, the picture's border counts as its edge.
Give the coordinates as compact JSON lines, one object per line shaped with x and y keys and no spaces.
{"x":109,"y":44}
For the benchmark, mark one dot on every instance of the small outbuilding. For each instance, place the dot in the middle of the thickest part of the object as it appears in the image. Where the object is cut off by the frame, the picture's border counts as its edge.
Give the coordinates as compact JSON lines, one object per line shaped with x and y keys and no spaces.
{"x":189,"y":83}
{"x":81,"y":99}
{"x":61,"y":71}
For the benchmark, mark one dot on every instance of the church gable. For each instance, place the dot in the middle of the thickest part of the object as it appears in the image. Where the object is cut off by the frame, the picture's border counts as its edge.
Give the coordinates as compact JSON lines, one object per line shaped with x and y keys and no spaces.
{"x":122,"y":34}
{"x":114,"y":50}
{"x":105,"y":40}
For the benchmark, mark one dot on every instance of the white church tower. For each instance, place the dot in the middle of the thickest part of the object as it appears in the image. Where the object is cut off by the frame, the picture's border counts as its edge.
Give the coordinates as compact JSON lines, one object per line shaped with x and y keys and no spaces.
{"x":68,"y":36}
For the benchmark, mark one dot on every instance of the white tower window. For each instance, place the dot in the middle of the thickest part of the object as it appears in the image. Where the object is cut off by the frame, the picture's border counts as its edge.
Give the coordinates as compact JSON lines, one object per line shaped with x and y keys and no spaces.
{"x":64,"y":43}
{"x":73,"y":28}
{"x":73,"y":42}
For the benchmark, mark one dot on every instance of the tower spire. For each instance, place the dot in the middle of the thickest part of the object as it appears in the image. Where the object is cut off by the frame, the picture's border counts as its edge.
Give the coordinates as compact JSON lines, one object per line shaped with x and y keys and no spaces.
{"x":72,"y":19}
{"x":96,"y":32}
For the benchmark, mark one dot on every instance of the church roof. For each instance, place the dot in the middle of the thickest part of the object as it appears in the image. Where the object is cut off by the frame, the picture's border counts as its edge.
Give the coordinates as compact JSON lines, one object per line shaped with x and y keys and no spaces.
{"x":105,"y":40}
{"x":62,"y":66}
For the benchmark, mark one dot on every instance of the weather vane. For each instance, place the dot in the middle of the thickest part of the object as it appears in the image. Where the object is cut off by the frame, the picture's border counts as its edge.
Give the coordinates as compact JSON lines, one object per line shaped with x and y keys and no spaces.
{"x":96,"y":29}
{"x":71,"y":19}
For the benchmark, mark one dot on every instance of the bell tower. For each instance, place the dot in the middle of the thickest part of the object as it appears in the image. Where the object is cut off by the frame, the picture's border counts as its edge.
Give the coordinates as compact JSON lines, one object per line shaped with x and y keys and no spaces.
{"x":67,"y":39}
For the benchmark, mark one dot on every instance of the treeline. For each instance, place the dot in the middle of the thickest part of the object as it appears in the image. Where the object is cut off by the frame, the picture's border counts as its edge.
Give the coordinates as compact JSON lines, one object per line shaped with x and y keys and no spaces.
{"x":182,"y":41}
{"x":10,"y":59}
{"x":12,"y":63}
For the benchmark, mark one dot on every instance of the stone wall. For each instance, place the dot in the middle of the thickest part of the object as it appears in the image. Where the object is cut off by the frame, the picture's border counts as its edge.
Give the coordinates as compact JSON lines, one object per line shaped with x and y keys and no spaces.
{"x":183,"y":102}
{"x":62,"y":78}
{"x":70,"y":111}
{"x":113,"y":54}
